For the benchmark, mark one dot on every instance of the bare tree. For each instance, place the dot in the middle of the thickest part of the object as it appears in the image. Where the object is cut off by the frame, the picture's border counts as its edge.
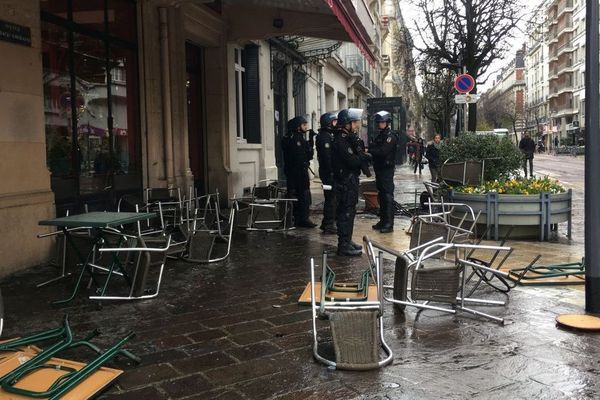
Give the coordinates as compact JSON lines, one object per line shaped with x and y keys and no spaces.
{"x":468,"y":33}
{"x":437,"y":102}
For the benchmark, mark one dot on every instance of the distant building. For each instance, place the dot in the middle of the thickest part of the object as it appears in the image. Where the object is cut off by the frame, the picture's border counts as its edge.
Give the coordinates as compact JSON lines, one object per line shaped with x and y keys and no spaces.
{"x":508,"y":94}
{"x":536,"y":62}
{"x":566,"y":41}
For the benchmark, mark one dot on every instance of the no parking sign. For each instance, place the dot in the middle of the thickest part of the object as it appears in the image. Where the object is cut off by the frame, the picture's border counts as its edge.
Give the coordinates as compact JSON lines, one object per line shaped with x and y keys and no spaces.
{"x":464,"y":83}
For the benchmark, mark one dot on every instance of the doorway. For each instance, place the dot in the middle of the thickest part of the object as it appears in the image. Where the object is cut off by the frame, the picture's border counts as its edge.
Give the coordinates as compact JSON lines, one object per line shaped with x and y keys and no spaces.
{"x":196,"y":119}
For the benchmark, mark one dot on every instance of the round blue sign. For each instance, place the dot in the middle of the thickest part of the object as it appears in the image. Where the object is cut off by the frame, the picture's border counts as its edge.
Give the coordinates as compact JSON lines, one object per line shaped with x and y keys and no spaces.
{"x":464,"y":83}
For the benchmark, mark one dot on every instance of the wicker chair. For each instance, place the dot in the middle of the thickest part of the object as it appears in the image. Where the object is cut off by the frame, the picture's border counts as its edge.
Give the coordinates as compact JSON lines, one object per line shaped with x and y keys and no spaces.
{"x":439,"y":283}
{"x":356,"y":326}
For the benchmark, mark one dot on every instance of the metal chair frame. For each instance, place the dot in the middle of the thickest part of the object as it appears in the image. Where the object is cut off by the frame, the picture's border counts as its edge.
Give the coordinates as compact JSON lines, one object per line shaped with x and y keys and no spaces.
{"x":272,"y":201}
{"x":213,"y":236}
{"x":321,"y":311}
{"x":430,"y":250}
{"x":130,"y":245}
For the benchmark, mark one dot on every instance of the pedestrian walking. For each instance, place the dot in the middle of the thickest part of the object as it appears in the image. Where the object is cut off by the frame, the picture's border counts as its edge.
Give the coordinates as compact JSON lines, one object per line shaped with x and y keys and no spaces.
{"x":418,"y":157}
{"x":297,"y":153}
{"x":323,"y":142}
{"x":527,"y":147}
{"x":383,"y":150}
{"x":347,"y":159}
{"x":432,"y":153}
{"x":410,"y":149}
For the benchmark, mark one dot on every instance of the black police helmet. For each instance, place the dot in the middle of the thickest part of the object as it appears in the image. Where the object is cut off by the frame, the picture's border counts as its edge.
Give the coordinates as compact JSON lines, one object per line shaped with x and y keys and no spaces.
{"x":348,"y":115}
{"x":383,"y":116}
{"x":294,"y":123}
{"x":327,"y":119}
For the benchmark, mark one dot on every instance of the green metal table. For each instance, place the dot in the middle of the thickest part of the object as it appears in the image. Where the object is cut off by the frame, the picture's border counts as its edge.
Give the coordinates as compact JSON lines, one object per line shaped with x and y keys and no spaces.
{"x":97,"y":222}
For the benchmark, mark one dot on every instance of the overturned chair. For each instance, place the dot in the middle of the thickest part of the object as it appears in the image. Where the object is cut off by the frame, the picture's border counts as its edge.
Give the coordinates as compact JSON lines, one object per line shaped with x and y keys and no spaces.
{"x":138,"y":258}
{"x":423,"y":279}
{"x":268,"y":208}
{"x":355,"y":313}
{"x":206,"y":245}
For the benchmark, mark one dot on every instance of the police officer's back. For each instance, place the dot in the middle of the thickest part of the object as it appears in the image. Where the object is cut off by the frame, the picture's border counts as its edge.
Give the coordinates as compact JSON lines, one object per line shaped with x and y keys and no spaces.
{"x":297,"y":153}
{"x":323,"y":142}
{"x":383,"y":150}
{"x":346,"y":162}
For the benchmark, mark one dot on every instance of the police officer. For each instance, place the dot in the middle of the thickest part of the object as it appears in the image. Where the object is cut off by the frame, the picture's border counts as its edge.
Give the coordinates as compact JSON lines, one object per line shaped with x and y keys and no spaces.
{"x":346,"y":161}
{"x":323,"y":143}
{"x":383,"y":150}
{"x":297,"y":153}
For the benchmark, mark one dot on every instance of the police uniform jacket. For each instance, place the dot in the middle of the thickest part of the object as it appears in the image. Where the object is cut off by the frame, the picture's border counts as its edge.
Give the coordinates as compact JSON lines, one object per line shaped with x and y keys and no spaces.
{"x":324,"y":147}
{"x":297,"y":153}
{"x":383,"y":149}
{"x":345,"y":159}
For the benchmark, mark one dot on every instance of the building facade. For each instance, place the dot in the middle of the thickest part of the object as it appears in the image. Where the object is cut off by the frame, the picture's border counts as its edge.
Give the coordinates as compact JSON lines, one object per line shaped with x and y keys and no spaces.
{"x":566,"y":41}
{"x":536,"y":62}
{"x":506,"y":98}
{"x":109,"y":97}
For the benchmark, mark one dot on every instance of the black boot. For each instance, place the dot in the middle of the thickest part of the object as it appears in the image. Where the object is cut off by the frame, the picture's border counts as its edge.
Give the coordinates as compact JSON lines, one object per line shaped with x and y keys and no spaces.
{"x":307,"y":223}
{"x":356,"y":245}
{"x":329,"y":229}
{"x":380,"y":200}
{"x":388,"y":226}
{"x":346,"y":249}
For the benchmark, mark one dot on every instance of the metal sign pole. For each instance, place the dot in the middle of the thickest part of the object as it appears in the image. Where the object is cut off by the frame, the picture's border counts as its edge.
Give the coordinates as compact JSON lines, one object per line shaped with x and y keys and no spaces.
{"x":592,"y":162}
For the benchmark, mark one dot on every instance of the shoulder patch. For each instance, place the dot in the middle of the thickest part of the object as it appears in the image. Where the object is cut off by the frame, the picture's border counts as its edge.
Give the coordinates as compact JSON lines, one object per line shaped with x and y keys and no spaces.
{"x":350,"y":150}
{"x":298,"y":143}
{"x":326,"y":145}
{"x":389,"y":140}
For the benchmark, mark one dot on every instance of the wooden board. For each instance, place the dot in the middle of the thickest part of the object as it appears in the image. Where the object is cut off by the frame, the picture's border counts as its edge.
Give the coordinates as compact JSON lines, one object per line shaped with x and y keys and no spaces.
{"x":42,"y":378}
{"x":568,"y":280}
{"x":305,"y":296}
{"x":579,"y":322}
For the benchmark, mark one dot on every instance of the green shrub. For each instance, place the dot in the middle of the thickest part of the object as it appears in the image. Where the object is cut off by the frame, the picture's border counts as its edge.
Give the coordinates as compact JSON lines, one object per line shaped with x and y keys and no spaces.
{"x":503,"y":158}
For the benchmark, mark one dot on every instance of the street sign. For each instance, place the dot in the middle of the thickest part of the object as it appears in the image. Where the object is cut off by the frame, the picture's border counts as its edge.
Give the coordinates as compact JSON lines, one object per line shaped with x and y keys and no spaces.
{"x":464,"y":83}
{"x":466,"y":98}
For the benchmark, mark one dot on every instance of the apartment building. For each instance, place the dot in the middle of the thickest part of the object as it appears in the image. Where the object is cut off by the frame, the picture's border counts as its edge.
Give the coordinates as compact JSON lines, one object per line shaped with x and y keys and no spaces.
{"x":566,"y":43}
{"x":537,"y":84}
{"x":507,"y":95}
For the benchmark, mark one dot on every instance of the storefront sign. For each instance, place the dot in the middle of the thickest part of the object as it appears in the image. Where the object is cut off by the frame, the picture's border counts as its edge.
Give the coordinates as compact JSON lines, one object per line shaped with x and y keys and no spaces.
{"x":14,"y":33}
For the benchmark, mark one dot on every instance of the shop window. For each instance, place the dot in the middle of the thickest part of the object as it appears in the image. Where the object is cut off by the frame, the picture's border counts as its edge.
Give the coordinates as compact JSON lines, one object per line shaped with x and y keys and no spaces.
{"x":90,"y":105}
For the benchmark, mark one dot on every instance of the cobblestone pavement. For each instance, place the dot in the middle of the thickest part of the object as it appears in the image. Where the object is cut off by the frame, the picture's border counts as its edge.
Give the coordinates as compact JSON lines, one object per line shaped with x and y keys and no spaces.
{"x":234,"y":330}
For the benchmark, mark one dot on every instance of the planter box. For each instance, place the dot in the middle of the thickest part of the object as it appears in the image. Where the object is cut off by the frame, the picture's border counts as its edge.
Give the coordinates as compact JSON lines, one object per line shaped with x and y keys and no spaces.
{"x":530,"y":216}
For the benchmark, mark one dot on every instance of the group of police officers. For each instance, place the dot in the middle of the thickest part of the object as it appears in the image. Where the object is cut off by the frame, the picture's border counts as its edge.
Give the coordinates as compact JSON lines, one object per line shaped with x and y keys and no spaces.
{"x":342,"y":157}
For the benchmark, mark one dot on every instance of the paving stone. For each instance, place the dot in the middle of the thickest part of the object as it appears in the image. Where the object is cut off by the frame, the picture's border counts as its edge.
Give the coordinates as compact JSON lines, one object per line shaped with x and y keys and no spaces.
{"x":146,"y":375}
{"x":187,"y":386}
{"x":243,"y":372}
{"x":205,"y":335}
{"x":149,"y":392}
{"x":256,"y":350}
{"x":249,"y":337}
{"x":213,"y":360}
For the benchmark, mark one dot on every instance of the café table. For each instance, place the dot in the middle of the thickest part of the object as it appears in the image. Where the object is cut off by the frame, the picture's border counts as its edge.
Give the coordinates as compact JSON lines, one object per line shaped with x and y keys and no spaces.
{"x":100,"y":225}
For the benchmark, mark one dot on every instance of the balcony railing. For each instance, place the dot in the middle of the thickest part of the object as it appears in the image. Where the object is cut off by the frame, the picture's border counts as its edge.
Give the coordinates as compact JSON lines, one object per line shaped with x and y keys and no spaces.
{"x":563,"y":6}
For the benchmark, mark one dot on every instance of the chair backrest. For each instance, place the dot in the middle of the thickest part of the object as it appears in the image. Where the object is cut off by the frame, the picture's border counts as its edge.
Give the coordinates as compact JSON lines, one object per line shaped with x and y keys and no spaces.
{"x":426,"y":231}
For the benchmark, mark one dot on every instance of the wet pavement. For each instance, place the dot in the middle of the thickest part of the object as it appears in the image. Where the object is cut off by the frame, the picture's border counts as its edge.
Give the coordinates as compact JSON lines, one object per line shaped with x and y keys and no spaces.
{"x":234,"y":330}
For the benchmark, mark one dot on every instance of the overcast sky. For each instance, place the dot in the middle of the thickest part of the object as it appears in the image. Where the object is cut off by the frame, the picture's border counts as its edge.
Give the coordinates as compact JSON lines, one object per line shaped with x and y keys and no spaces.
{"x":411,"y":13}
